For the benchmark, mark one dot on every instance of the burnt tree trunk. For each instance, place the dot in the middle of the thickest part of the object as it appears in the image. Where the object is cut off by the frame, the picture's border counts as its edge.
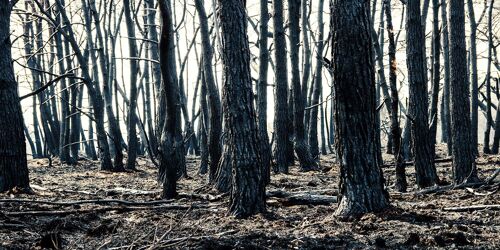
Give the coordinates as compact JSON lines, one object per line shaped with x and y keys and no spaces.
{"x":401,"y":183}
{"x":172,"y":157}
{"x":214,"y":104}
{"x":446,"y":111}
{"x":281,"y":91}
{"x":301,"y":146}
{"x":133,"y":144}
{"x":489,"y":118}
{"x":418,"y":111}
{"x":262,"y":90}
{"x":361,"y":180}
{"x":474,"y":77}
{"x":436,"y":74}
{"x":107,"y":72}
{"x":248,"y":185}
{"x":13,"y":163}
{"x":464,"y":166}
{"x":318,"y":85}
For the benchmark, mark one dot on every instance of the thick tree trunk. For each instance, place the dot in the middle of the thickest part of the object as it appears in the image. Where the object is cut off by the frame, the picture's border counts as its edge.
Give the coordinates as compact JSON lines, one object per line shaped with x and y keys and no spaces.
{"x":464,"y":166}
{"x":361,"y":180}
{"x":13,"y":162}
{"x":418,"y":112}
{"x":248,"y":185}
{"x":301,"y":147}
{"x":172,"y":157}
{"x":281,"y":91}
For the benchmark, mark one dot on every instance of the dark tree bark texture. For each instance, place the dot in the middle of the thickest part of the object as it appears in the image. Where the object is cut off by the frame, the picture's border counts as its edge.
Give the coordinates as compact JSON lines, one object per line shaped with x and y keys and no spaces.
{"x":13,"y":163}
{"x":361,"y":180}
{"x":247,"y":185}
{"x":464,"y":166}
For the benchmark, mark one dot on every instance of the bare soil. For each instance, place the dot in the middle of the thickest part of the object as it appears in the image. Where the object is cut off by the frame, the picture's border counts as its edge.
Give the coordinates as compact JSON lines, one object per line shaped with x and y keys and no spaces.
{"x":199,"y":218}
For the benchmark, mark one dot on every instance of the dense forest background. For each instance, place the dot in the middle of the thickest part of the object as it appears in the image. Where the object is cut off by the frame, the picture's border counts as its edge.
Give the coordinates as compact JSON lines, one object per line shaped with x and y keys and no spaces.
{"x":188,"y":47}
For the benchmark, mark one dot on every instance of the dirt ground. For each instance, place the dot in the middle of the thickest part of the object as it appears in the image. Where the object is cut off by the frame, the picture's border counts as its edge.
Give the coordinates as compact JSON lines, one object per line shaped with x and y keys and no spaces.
{"x":199,"y":219}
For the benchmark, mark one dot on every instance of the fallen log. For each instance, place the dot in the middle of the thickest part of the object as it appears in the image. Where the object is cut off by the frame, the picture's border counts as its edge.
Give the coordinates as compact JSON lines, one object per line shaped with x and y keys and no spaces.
{"x":301,"y":198}
{"x":471,"y":208}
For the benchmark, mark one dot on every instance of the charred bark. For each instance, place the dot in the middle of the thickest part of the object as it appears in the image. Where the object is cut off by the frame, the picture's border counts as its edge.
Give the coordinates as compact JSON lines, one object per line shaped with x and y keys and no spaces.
{"x":418,"y":112}
{"x":464,"y":166}
{"x":172,"y":157}
{"x":247,"y":186}
{"x":361,"y":180}
{"x":13,"y":162}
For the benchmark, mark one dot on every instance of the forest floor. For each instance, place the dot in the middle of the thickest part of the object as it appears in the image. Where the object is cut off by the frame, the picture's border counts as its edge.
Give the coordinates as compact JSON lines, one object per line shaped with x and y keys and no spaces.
{"x":199,"y":219}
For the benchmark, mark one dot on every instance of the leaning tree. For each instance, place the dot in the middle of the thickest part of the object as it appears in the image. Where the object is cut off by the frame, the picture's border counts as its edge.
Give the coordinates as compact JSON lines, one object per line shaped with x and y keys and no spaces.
{"x":247,"y":185}
{"x":13,"y":162}
{"x":361,"y":181}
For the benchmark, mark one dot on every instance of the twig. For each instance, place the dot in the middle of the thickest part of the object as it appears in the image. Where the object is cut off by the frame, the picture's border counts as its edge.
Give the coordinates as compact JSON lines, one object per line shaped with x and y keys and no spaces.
{"x":471,"y":208}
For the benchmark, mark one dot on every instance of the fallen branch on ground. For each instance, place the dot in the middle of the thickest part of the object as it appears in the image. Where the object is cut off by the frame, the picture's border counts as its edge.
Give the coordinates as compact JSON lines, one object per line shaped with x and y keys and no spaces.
{"x":410,"y":163}
{"x":471,"y":208}
{"x":104,"y":209}
{"x":81,"y":202}
{"x":441,"y":160}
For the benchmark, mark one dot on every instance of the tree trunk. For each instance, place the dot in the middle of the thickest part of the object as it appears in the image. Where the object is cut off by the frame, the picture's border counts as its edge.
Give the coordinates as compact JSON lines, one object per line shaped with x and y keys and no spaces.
{"x":361,"y":180}
{"x":464,"y":166}
{"x":401,"y":183}
{"x":248,"y":186}
{"x":474,"y":77}
{"x":306,"y":61}
{"x":215,"y":110}
{"x":489,"y":116}
{"x":172,"y":157}
{"x":107,"y":72}
{"x":13,"y":162}
{"x":496,"y":138}
{"x":436,"y":74}
{"x":446,"y":118}
{"x":318,"y":85}
{"x":262,"y":90}
{"x":134,"y":67}
{"x":281,"y":91}
{"x":301,"y":147}
{"x":418,"y":112}
{"x":204,"y":117}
